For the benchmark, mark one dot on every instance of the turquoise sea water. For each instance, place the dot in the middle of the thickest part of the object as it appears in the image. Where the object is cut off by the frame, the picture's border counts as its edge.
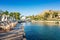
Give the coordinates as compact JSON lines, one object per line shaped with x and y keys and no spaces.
{"x":42,"y":32}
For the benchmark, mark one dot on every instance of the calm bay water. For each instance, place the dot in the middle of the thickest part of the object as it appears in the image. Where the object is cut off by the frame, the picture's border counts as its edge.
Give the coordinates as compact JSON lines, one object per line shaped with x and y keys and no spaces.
{"x":42,"y":32}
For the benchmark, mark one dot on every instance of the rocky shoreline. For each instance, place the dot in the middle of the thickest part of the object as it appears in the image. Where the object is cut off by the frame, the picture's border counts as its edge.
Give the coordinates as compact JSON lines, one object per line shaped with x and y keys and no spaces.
{"x":47,"y":22}
{"x":14,"y":34}
{"x":7,"y":26}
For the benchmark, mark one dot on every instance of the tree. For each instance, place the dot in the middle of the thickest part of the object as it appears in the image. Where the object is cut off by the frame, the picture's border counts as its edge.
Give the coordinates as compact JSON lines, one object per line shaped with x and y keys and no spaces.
{"x":46,"y":15}
{"x":55,"y":14}
{"x":15,"y":15}
{"x":6,"y":12}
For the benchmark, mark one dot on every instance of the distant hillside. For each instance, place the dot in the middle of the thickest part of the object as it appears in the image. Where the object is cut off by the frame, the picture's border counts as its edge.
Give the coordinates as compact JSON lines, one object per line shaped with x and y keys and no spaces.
{"x":47,"y":15}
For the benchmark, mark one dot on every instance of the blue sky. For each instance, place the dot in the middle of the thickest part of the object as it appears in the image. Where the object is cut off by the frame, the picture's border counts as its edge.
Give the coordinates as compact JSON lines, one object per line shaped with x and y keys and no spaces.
{"x":29,"y":7}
